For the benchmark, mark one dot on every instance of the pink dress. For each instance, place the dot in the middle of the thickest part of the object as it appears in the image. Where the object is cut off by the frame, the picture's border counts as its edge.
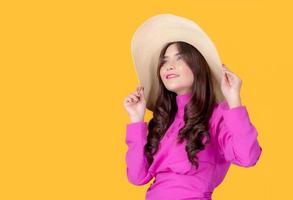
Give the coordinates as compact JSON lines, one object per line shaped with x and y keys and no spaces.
{"x":233,"y":140}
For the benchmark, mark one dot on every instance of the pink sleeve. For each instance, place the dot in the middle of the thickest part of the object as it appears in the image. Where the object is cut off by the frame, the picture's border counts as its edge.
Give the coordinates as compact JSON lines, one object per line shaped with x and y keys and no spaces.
{"x":137,"y":165}
{"x":237,"y":136}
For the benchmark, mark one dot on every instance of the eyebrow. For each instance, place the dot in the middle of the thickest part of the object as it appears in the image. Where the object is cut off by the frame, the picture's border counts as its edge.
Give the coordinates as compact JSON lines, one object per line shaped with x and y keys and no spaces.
{"x":175,"y":55}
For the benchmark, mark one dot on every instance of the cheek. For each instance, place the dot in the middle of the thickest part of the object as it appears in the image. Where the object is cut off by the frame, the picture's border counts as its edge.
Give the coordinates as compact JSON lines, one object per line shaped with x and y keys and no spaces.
{"x":188,"y":79}
{"x":162,"y":74}
{"x":187,"y":74}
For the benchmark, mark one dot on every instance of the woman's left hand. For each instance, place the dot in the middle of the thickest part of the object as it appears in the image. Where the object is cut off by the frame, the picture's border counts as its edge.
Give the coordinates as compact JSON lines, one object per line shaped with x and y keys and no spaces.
{"x":230,"y":86}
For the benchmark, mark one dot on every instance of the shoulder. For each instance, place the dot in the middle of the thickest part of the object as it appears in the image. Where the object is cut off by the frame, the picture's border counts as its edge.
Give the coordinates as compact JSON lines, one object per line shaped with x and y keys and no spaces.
{"x":223,"y":111}
{"x":219,"y":108}
{"x":217,"y":113}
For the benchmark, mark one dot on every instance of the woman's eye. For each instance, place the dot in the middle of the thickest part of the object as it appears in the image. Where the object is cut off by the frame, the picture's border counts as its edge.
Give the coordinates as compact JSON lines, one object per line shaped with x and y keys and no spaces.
{"x":179,"y":57}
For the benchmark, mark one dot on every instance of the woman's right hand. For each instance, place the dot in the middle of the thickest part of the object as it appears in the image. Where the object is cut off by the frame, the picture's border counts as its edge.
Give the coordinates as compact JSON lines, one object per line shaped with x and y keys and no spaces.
{"x":135,"y":105}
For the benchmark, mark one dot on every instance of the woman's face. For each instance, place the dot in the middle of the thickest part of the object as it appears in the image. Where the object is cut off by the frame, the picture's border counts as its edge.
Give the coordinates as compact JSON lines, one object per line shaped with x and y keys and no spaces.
{"x":182,"y":79}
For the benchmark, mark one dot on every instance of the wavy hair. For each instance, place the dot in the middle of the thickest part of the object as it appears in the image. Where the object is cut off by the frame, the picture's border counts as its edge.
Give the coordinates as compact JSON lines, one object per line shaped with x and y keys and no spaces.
{"x":196,"y":112}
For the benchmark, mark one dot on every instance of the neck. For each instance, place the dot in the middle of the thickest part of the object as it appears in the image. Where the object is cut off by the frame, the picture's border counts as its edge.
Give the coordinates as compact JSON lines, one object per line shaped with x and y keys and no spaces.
{"x":181,"y":101}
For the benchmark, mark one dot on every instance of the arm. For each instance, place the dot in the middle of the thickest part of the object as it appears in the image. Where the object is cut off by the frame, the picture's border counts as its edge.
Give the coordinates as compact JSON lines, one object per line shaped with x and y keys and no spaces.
{"x":237,"y":136}
{"x":137,"y":165}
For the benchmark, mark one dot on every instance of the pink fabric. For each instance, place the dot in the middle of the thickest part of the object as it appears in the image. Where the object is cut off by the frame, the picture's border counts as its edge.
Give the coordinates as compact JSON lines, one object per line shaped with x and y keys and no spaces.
{"x":233,"y":140}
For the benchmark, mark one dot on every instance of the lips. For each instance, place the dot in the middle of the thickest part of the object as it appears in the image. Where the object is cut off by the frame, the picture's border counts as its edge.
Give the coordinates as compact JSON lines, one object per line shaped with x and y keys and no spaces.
{"x":169,"y":76}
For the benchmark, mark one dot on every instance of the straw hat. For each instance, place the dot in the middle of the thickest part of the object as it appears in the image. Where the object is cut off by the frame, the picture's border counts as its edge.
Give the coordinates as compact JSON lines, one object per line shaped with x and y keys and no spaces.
{"x":153,"y":34}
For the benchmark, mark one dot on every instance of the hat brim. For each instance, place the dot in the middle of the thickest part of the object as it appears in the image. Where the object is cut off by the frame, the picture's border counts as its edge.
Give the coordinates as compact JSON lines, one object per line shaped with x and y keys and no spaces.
{"x":153,"y":34}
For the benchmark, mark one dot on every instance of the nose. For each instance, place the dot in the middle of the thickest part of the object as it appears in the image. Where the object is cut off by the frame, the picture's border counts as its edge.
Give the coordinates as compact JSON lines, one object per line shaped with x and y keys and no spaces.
{"x":171,"y":66}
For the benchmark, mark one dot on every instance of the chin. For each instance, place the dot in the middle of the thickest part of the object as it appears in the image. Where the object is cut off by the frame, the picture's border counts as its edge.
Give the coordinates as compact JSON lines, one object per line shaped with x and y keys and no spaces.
{"x":173,"y":89}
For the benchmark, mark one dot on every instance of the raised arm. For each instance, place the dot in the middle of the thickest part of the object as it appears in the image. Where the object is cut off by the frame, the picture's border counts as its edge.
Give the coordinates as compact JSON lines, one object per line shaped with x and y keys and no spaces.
{"x":237,"y":136}
{"x":137,"y":165}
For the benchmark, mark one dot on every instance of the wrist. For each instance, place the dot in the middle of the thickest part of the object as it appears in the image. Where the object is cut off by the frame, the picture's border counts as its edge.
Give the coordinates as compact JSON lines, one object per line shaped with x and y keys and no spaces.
{"x":234,"y":103}
{"x":136,"y":119}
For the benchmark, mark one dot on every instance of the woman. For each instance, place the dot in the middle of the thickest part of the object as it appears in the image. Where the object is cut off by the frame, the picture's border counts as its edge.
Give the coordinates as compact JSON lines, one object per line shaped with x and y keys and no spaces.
{"x":191,"y":141}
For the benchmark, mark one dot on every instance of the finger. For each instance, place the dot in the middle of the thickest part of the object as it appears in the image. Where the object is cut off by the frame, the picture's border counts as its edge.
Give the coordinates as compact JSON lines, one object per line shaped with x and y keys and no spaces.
{"x":227,"y":78}
{"x":230,"y":74}
{"x":138,"y":89}
{"x":135,"y":94}
{"x":134,"y":97}
{"x":132,"y":101}
{"x":129,"y":100}
{"x":142,"y":94}
{"x":224,"y":68}
{"x":230,"y":77}
{"x":227,"y":82}
{"x":227,"y":70}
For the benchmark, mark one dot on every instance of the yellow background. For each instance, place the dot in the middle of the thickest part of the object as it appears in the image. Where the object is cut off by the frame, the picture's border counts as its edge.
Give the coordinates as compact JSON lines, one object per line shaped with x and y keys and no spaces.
{"x":66,"y":68}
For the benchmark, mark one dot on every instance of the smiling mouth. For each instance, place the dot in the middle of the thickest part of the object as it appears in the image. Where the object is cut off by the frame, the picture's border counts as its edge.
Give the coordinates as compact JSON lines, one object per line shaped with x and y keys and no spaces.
{"x":171,"y":76}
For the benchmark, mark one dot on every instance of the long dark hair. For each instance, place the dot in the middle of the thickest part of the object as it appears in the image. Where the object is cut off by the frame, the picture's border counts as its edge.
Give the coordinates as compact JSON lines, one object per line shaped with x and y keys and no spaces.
{"x":197,"y":111}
